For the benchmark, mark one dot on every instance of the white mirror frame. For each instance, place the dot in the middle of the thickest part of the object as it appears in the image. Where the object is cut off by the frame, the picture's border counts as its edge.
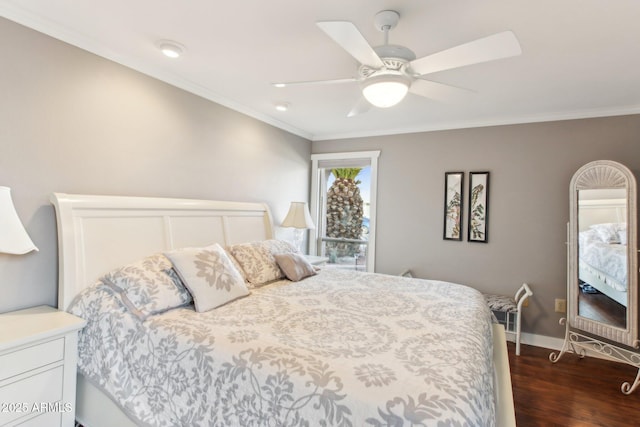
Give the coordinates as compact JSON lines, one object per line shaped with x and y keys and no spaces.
{"x":605,"y":174}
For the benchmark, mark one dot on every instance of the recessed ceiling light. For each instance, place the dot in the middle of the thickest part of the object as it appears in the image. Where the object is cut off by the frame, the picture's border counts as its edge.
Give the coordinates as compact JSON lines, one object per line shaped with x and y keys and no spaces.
{"x":170,"y":48}
{"x":282,"y":106}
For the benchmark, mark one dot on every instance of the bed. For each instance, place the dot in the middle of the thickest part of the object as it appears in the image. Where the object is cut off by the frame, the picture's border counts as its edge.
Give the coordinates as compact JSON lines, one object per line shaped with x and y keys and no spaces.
{"x":602,"y":251}
{"x":337,"y":348}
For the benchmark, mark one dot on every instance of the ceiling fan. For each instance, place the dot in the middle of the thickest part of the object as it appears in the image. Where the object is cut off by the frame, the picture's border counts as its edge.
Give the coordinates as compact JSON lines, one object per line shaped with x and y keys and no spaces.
{"x":386,"y":73}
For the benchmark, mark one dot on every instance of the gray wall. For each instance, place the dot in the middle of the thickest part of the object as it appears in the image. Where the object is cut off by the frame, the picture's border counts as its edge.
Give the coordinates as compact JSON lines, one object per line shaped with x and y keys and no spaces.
{"x":531,"y":166}
{"x":73,"y":122}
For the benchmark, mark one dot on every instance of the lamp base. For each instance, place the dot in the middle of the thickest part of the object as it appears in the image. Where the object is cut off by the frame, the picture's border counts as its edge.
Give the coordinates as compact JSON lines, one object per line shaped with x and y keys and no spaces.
{"x":297,"y":238}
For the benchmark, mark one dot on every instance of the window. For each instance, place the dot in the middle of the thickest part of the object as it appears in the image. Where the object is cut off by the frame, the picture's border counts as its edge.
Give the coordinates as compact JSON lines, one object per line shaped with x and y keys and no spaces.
{"x":343,"y":206}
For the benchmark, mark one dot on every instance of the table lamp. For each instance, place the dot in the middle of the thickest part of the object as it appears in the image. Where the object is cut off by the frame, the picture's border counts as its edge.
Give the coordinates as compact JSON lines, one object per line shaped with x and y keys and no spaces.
{"x":300,"y":219}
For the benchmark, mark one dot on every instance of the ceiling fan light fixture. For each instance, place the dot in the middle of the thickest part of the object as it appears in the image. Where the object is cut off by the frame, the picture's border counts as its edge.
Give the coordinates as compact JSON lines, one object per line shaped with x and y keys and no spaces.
{"x":385,"y":91}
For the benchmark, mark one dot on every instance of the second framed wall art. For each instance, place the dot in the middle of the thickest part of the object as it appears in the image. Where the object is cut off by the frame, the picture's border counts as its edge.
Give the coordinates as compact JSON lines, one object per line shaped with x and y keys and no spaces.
{"x":478,"y":207}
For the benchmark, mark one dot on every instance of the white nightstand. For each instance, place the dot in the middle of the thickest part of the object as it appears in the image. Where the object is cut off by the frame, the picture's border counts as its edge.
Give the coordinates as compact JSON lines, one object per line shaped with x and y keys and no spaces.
{"x":38,"y":357}
{"x":317,"y":260}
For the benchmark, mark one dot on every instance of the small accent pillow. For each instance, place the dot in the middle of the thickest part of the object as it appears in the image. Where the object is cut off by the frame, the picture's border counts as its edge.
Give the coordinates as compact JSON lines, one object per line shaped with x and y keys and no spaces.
{"x":149,"y":286}
{"x":257,"y":259}
{"x":209,"y":274}
{"x":295,"y":266}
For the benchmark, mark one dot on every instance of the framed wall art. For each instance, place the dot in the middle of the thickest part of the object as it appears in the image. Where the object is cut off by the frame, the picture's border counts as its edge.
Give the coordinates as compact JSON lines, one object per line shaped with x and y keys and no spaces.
{"x":478,"y":207}
{"x":453,"y":186}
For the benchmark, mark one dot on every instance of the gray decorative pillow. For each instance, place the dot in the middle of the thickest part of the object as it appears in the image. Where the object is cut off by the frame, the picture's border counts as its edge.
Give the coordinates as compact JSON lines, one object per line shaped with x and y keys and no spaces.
{"x":295,"y":266}
{"x":257,"y":259}
{"x":149,"y":286}
{"x":209,"y":274}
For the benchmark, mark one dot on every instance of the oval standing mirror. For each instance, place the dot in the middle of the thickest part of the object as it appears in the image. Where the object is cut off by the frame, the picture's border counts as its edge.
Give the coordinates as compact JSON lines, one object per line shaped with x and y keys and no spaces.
{"x":602,"y":281}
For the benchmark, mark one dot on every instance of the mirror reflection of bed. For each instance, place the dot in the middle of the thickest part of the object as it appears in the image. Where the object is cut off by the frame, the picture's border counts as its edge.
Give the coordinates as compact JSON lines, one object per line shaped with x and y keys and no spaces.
{"x":603,"y":255}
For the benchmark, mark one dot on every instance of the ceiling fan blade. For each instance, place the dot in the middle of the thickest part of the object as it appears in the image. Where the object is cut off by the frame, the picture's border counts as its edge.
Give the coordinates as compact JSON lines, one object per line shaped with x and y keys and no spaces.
{"x":438,"y":91}
{"x":496,"y":46}
{"x":361,"y":107}
{"x":350,"y":39}
{"x":315,"y":82}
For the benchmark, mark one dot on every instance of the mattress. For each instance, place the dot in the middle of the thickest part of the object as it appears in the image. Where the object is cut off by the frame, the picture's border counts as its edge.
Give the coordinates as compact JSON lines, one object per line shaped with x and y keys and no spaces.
{"x":340,"y":348}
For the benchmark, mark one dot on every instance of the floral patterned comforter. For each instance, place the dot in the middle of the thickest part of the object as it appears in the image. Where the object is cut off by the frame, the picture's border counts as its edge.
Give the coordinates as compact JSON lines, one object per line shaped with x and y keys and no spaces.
{"x":606,"y":261}
{"x":336,"y":349}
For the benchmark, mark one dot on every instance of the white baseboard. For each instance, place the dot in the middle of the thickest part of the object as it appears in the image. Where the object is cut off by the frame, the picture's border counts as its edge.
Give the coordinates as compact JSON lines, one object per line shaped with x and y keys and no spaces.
{"x":552,"y":343}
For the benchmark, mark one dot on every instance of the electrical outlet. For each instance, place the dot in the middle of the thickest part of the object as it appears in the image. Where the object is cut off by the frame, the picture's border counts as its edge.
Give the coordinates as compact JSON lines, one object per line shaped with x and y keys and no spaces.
{"x":561,"y":305}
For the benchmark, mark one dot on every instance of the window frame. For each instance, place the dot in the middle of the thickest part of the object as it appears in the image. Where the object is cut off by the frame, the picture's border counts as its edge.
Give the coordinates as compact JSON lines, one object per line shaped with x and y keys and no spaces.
{"x":319,"y":190}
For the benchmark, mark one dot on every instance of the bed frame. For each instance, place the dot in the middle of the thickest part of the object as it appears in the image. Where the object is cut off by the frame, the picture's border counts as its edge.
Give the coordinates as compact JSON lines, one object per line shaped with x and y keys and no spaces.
{"x":99,"y":233}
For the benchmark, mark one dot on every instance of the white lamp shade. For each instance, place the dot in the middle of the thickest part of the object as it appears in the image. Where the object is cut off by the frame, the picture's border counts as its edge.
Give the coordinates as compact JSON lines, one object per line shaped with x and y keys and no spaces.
{"x":385,"y":91}
{"x":298,"y":216}
{"x":13,"y":237}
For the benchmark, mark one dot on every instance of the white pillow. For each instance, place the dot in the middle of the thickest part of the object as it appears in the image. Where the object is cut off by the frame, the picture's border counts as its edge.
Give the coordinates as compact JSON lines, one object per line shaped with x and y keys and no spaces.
{"x":209,"y":274}
{"x":622,"y":236}
{"x":608,"y":232}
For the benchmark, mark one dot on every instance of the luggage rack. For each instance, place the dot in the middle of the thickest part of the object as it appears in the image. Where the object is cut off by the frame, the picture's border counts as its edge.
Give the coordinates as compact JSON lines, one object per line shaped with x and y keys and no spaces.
{"x":507,"y":310}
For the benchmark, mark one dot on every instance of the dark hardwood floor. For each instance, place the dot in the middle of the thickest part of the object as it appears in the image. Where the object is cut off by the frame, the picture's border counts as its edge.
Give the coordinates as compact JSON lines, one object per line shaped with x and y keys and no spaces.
{"x":602,"y":308}
{"x":572,"y":392}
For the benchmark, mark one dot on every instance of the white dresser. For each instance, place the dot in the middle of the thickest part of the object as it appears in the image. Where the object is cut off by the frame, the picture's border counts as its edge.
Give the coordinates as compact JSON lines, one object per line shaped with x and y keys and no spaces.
{"x":38,"y":356}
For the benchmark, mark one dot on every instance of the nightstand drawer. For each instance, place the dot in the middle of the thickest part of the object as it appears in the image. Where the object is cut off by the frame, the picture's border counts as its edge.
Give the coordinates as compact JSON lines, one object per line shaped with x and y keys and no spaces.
{"x":18,"y":398}
{"x":26,"y":359}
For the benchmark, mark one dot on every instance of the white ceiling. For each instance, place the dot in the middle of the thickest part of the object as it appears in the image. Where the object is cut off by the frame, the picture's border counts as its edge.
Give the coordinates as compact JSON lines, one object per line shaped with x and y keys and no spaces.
{"x":581,"y":58}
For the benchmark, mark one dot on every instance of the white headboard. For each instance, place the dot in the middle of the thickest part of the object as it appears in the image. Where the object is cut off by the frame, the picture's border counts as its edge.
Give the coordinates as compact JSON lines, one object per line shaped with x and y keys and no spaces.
{"x":601,"y":211}
{"x":99,"y":233}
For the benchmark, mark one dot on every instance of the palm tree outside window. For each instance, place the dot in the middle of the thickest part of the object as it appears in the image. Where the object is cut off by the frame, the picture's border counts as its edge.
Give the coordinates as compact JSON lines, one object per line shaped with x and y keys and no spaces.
{"x":343,"y":206}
